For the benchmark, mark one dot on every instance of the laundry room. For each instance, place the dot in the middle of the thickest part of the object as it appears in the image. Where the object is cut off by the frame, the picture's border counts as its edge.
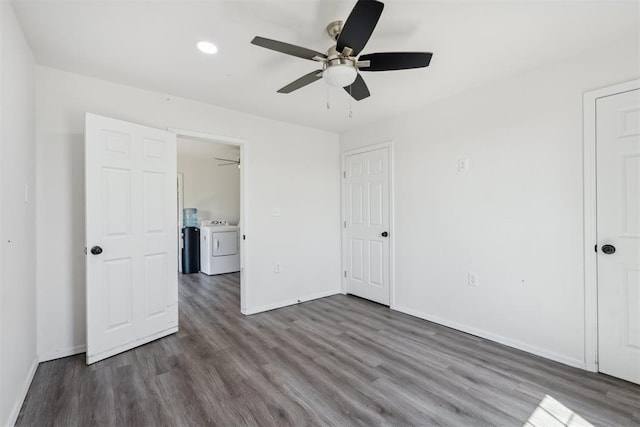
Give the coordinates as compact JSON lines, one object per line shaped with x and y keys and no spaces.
{"x":208,"y":207}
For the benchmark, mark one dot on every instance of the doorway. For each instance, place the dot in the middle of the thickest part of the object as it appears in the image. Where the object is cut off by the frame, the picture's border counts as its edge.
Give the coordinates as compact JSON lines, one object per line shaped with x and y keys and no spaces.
{"x":209,"y":192}
{"x":612,"y":230}
{"x":211,"y":176}
{"x":367,"y":223}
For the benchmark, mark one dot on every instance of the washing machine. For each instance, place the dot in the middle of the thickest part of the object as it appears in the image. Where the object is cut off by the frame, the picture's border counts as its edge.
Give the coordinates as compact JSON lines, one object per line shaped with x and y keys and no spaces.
{"x":219,"y":247}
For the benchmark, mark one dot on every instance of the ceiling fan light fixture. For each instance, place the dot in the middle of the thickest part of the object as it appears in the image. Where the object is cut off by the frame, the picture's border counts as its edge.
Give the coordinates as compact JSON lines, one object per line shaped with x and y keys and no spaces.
{"x":340,"y":75}
{"x":207,"y":47}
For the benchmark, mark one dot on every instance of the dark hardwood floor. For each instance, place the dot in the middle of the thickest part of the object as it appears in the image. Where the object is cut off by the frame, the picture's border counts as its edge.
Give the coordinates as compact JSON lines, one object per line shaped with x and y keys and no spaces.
{"x":336,"y":361}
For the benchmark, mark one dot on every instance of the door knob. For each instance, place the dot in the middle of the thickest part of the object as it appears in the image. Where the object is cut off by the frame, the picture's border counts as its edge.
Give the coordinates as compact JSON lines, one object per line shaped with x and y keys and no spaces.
{"x":384,"y":234}
{"x":96,"y":250}
{"x":608,"y":249}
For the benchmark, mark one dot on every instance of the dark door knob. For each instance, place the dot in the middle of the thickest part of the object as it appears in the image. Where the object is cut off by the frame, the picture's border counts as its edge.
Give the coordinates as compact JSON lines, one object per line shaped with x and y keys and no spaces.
{"x":384,"y":234}
{"x":608,"y":249}
{"x":96,"y":250}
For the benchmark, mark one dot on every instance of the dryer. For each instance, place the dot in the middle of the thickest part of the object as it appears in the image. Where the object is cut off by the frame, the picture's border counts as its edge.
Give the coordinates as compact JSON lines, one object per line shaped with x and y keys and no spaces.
{"x":219,"y":247}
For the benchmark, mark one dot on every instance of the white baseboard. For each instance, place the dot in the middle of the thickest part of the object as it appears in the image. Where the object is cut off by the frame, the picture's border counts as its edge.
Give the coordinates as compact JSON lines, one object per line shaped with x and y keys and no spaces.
{"x":60,"y":353}
{"x":255,"y":310}
{"x":15,"y":411}
{"x":576,"y":363}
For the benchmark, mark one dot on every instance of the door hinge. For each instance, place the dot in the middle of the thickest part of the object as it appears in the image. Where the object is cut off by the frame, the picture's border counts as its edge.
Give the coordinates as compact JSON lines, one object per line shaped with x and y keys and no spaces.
{"x":344,"y":174}
{"x":345,"y":224}
{"x":345,"y":274}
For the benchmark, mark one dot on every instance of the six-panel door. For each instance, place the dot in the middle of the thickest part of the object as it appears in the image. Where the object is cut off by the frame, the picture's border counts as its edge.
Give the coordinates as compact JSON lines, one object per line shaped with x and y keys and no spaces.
{"x":367,"y":219}
{"x":132,"y":293}
{"x":618,"y":218}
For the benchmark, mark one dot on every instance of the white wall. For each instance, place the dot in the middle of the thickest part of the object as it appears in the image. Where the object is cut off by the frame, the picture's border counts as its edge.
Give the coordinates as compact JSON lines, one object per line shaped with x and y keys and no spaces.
{"x":515,"y":218}
{"x":213,"y":190}
{"x":18,"y":359}
{"x":293,"y":167}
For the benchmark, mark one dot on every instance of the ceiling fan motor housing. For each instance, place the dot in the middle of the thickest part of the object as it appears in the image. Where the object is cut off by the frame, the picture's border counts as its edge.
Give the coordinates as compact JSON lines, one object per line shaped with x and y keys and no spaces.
{"x":336,"y":58}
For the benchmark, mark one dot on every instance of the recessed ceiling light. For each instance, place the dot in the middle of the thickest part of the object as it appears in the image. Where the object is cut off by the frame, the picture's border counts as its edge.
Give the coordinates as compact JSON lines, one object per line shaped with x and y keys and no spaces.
{"x":207,"y":47}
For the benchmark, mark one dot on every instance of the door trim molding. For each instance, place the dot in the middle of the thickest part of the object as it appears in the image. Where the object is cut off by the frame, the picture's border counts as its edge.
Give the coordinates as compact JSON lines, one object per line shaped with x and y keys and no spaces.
{"x":343,"y":237}
{"x":244,"y":202}
{"x":590,"y":225}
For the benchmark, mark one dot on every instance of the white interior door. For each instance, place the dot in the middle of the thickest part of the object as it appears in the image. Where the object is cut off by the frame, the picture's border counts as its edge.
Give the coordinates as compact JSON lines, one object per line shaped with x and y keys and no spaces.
{"x":366,"y":225}
{"x":618,"y":218}
{"x":131,"y":202}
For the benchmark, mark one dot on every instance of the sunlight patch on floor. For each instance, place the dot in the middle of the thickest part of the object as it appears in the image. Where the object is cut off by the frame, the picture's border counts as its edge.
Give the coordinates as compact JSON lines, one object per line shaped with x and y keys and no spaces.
{"x":551,"y":413}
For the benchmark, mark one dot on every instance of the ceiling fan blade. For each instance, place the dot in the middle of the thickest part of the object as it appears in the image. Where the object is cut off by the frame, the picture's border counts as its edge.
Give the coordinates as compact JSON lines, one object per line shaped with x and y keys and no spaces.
{"x":358,"y":89}
{"x":359,"y":25}
{"x":287,"y":48}
{"x":390,"y":61}
{"x":302,"y":81}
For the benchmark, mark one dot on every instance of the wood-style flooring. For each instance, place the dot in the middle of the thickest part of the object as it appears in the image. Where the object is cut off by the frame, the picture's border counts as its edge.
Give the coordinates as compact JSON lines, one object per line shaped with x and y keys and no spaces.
{"x":338,"y":361}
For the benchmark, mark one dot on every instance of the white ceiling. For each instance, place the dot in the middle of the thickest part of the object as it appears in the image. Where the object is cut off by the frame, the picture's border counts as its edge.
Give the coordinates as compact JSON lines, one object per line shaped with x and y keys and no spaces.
{"x":151,"y":45}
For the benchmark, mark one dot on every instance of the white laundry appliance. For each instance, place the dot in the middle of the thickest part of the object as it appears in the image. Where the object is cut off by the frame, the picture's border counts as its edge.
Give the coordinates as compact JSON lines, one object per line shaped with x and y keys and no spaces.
{"x":219,"y":247}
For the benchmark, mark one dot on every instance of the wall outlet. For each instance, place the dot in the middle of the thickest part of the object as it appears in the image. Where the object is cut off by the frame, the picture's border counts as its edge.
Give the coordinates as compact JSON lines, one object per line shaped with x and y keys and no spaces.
{"x":275,"y":211}
{"x":463,"y":165}
{"x":473,"y":279}
{"x":276,"y":268}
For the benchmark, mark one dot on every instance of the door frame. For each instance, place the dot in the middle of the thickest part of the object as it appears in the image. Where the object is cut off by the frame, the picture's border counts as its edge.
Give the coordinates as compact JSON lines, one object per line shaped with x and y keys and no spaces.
{"x":180,"y":189}
{"x":244,"y":201}
{"x":343,"y":236}
{"x":590,"y":216}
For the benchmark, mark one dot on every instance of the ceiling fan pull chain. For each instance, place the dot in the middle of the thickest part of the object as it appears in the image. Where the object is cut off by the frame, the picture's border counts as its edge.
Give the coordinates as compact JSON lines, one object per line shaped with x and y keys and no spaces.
{"x":328,"y":104}
{"x":350,"y":102}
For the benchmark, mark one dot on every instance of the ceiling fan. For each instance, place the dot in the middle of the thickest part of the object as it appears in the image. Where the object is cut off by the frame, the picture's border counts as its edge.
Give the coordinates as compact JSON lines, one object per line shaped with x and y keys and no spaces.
{"x":229,"y":162}
{"x":341,"y":64}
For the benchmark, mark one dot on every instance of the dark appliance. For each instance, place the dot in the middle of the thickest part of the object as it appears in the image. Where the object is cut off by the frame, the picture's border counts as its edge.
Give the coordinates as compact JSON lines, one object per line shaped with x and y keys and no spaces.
{"x":190,"y":250}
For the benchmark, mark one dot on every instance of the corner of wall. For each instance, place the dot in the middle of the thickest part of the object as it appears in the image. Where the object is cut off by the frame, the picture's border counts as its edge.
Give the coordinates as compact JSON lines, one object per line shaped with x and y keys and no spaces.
{"x":22,"y":394}
{"x":18,"y":314}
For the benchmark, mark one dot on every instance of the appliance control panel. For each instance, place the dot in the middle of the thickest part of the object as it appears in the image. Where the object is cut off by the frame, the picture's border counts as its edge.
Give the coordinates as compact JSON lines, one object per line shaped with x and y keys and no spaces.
{"x":214,"y":222}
